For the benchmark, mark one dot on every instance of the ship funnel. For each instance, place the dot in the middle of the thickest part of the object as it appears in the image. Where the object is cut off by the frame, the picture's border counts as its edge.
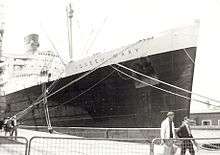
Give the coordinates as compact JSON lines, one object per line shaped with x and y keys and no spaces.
{"x":31,"y":43}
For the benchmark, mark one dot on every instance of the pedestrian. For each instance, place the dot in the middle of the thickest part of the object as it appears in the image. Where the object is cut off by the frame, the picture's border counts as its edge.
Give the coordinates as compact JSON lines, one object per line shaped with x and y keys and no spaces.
{"x":14,"y":127}
{"x":1,"y":125}
{"x":7,"y":126}
{"x":167,"y":132}
{"x":184,"y":131}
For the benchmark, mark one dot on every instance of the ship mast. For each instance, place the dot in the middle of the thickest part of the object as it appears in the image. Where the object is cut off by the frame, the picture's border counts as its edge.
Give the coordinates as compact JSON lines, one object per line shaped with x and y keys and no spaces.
{"x":69,"y":24}
{"x":2,"y":22}
{"x":1,"y":30}
{"x":1,"y":27}
{"x":1,"y":38}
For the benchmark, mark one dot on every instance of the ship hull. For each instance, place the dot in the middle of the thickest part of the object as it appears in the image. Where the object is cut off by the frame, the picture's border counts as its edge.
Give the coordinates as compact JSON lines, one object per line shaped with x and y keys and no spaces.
{"x":108,"y":98}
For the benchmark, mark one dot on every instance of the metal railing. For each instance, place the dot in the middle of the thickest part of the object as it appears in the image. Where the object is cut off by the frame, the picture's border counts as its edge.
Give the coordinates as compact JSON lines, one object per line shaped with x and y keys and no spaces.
{"x":176,"y":146}
{"x":93,"y":146}
{"x":13,"y":145}
{"x":87,"y":146}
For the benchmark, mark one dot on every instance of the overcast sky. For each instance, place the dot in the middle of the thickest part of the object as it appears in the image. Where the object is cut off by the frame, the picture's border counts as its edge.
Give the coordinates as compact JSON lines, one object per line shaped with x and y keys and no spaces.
{"x":101,"y":25}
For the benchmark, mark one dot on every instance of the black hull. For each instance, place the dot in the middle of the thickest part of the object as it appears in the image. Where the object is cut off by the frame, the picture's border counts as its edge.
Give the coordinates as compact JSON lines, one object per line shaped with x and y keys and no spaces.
{"x":117,"y":101}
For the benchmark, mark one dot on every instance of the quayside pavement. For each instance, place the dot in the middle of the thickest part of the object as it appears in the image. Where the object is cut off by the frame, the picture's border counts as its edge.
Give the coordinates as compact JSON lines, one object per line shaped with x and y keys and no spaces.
{"x":42,"y":143}
{"x":10,"y":146}
{"x":59,"y":144}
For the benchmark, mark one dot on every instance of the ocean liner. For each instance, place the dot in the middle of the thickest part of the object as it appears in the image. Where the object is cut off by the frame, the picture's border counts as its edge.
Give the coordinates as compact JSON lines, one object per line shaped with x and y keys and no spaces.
{"x":125,"y":87}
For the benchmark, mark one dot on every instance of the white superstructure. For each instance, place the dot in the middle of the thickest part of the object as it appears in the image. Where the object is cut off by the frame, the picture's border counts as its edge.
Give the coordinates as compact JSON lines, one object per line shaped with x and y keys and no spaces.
{"x":29,"y":69}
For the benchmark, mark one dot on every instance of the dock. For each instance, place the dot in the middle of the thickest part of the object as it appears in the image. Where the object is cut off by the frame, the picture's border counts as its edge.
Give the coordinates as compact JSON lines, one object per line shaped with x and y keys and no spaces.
{"x":31,"y":142}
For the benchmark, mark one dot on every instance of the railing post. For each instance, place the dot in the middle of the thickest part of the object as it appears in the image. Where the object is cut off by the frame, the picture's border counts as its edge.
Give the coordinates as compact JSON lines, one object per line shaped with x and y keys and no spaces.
{"x":106,"y":134}
{"x":152,"y":148}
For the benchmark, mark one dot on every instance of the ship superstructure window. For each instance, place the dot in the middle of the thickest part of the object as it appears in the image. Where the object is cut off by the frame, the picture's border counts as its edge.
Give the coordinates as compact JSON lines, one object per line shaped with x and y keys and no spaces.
{"x":206,"y":122}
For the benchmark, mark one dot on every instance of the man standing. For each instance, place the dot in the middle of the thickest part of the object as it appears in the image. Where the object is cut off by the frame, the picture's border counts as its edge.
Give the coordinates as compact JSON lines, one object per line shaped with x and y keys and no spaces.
{"x":167,"y":132}
{"x":184,"y":131}
{"x":7,"y":125}
{"x":14,"y":125}
{"x":1,"y":125}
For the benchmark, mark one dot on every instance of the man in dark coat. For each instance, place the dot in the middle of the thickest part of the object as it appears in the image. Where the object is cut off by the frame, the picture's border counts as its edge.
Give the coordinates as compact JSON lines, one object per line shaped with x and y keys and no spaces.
{"x":1,"y":124}
{"x":184,"y":131}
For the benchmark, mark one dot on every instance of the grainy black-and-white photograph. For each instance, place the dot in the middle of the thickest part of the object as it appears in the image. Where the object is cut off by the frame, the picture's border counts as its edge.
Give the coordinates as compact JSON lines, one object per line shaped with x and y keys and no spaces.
{"x":109,"y":77}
